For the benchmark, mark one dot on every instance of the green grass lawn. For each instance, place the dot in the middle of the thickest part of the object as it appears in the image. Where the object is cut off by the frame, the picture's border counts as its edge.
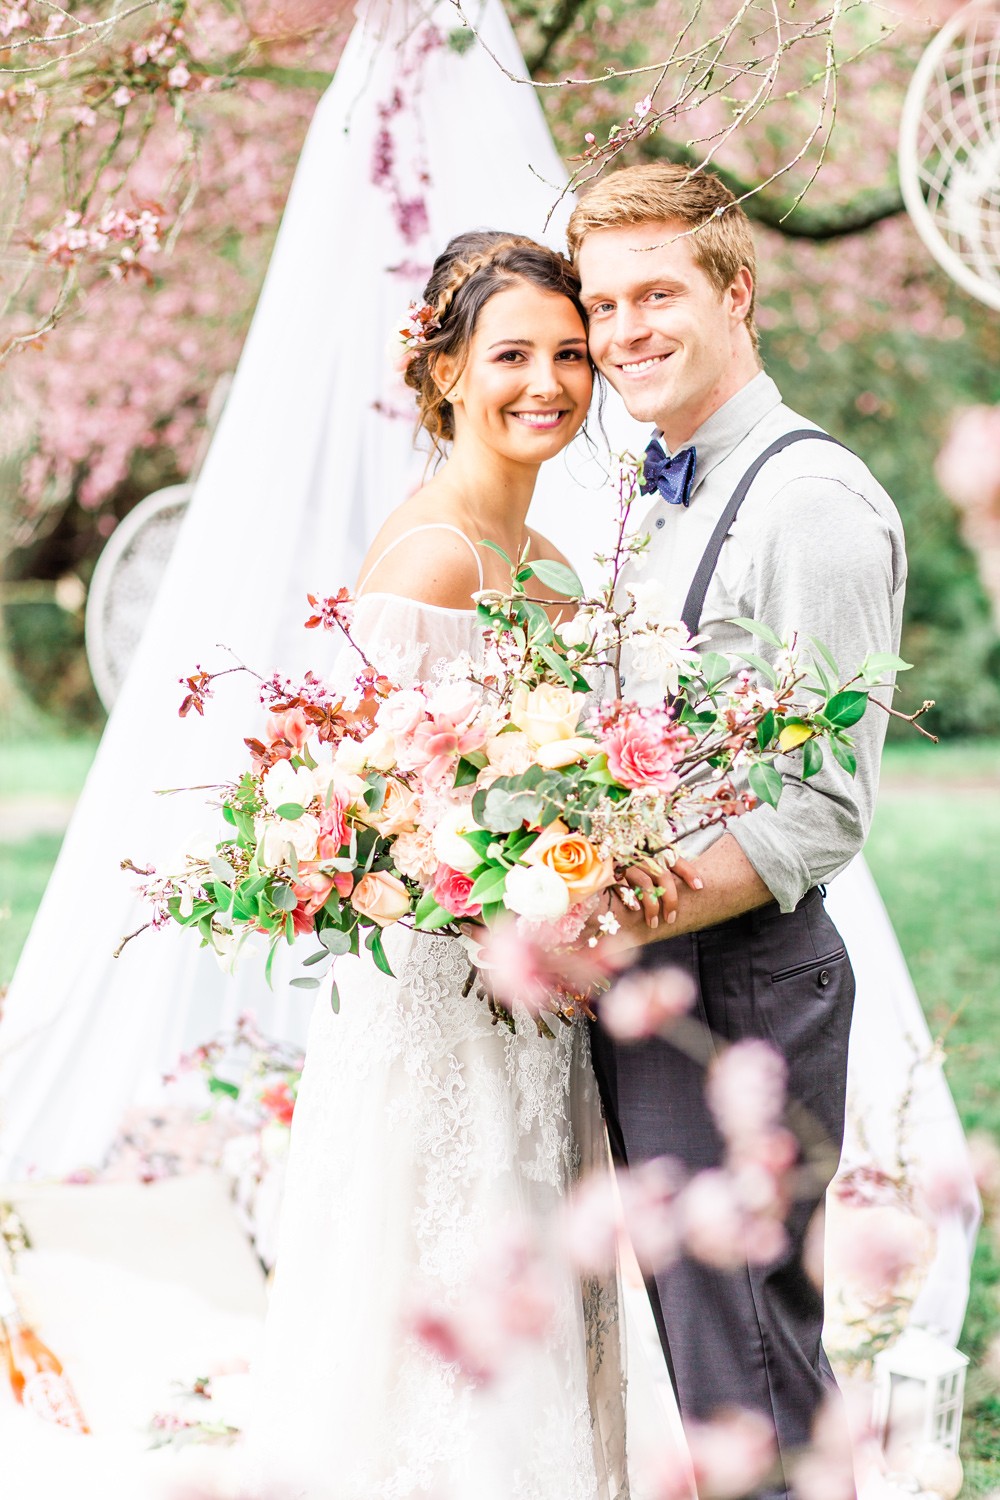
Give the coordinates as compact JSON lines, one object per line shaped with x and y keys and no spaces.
{"x":935,"y":852}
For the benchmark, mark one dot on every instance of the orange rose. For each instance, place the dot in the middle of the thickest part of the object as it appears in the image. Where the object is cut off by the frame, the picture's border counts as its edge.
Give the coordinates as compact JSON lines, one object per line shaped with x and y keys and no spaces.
{"x":381,"y":897}
{"x":573,"y":858}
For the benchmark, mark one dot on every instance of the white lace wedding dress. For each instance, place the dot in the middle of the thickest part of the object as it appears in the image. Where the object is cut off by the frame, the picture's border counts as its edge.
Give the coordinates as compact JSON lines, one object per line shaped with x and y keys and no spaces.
{"x":423,"y":1135}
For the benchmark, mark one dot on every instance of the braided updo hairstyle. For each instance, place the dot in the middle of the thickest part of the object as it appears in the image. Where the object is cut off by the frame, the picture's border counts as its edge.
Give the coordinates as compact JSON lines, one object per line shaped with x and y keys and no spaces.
{"x":470,"y":270}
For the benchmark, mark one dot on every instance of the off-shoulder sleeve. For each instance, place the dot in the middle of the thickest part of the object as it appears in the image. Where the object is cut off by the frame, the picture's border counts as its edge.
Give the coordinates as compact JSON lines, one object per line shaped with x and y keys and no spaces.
{"x":406,"y":640}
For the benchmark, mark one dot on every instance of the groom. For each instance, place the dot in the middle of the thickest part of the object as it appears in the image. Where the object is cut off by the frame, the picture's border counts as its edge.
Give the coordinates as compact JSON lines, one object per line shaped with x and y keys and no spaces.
{"x":815,"y":547}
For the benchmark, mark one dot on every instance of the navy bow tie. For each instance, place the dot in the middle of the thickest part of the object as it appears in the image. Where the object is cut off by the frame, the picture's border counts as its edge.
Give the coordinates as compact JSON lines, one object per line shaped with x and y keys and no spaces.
{"x":673,"y":477}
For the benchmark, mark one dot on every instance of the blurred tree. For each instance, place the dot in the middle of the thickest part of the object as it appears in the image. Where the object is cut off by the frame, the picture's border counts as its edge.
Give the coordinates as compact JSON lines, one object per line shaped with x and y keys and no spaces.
{"x":143,"y":193}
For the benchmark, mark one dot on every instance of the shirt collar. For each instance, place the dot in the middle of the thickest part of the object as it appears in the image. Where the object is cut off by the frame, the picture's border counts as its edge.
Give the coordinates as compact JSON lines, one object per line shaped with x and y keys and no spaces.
{"x":720,"y":433}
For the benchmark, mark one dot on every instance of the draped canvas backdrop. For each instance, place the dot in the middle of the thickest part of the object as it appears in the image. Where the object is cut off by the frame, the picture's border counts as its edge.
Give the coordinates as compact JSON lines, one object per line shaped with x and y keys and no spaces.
{"x":414,"y":141}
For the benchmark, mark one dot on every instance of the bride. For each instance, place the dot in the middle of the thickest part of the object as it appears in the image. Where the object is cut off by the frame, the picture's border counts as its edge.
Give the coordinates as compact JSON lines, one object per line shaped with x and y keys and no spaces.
{"x":427,"y":1141}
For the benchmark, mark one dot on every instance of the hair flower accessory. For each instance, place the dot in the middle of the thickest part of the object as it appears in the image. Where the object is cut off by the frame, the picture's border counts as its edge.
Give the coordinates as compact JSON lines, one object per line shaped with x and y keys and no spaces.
{"x":421,"y":322}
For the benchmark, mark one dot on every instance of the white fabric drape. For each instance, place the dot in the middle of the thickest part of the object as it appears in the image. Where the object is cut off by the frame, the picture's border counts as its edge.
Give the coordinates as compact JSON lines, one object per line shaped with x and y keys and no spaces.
{"x":414,"y":141}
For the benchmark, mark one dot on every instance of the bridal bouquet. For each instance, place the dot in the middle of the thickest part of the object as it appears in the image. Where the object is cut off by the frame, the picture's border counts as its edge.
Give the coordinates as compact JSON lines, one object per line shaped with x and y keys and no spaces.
{"x":517,"y":787}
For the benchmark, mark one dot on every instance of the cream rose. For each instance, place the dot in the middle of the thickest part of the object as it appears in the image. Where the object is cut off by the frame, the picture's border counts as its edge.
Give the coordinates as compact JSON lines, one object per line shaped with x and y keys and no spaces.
{"x":546,"y":713}
{"x":380,"y":749}
{"x":449,"y":845}
{"x":399,"y":810}
{"x":559,"y":753}
{"x":380,"y":897}
{"x":276,"y":836}
{"x":536,"y":892}
{"x":573,"y":858}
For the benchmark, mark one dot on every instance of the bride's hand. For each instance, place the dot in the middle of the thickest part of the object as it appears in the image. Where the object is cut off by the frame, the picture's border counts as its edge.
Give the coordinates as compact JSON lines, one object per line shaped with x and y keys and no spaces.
{"x":657,"y":890}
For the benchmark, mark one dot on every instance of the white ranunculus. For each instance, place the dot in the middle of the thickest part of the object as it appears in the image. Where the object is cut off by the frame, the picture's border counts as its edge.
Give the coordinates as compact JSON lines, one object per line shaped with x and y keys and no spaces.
{"x":277,"y":835}
{"x":559,"y":753}
{"x":449,"y":846}
{"x":536,"y":892}
{"x":351,"y":756}
{"x":282,"y":784}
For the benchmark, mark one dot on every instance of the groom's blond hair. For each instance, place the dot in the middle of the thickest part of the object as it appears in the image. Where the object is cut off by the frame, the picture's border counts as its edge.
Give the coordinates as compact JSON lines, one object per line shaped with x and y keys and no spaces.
{"x":661,"y":193}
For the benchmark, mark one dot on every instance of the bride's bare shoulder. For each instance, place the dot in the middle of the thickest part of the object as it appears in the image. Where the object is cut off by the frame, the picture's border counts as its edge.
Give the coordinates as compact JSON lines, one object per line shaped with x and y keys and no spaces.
{"x":422,"y":555}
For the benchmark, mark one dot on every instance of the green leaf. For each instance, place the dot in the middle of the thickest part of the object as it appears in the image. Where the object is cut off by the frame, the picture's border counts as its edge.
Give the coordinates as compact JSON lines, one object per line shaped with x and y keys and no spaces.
{"x":228,"y":814}
{"x":306,"y":983}
{"x":221,"y":869}
{"x":270,"y":962}
{"x":760,"y":665}
{"x":812,"y":758}
{"x":290,"y":810}
{"x":538,"y":624}
{"x":556,"y":575}
{"x":479,"y":840}
{"x":374,"y":794}
{"x":284,"y":898}
{"x":844,"y":756}
{"x":845,"y":709}
{"x":335,"y":999}
{"x":765,"y":729}
{"x":715,"y":668}
{"x":374,"y":944}
{"x":432,"y":917}
{"x":876,"y":666}
{"x":469,"y":767}
{"x":755,"y":627}
{"x":335,"y":940}
{"x":765,"y":783}
{"x":489,"y":886}
{"x":504,"y":811}
{"x":499,"y":550}
{"x":315,"y":958}
{"x":559,"y":664}
{"x":223,"y":1086}
{"x":827,"y":657}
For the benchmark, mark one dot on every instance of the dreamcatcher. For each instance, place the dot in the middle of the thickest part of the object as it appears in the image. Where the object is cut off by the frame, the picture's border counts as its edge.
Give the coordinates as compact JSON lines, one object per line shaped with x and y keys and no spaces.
{"x":949,"y":149}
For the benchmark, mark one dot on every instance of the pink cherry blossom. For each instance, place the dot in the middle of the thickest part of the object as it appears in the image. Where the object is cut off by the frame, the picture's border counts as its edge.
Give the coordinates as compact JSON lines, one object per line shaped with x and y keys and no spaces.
{"x":731,"y":1454}
{"x":645,"y":1004}
{"x":746,"y":1090}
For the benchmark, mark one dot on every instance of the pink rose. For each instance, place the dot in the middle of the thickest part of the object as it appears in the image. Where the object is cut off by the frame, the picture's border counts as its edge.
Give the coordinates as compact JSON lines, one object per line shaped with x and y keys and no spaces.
{"x":643,"y":747}
{"x":451,"y":890}
{"x":312,"y":889}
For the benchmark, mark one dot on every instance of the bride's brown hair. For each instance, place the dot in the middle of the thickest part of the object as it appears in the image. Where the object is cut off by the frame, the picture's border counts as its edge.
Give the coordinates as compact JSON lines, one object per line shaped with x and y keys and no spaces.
{"x":470,"y":270}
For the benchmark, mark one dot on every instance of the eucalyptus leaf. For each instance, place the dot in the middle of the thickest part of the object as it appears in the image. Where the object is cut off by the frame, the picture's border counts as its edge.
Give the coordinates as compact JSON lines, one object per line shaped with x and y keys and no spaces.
{"x":305,"y":983}
{"x":284,"y":898}
{"x":335,"y":999}
{"x":290,"y":810}
{"x":221,"y":869}
{"x":335,"y":941}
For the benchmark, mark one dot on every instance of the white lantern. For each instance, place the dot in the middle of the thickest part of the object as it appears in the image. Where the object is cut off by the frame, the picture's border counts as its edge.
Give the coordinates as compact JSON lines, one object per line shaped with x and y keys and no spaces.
{"x":919,"y":1387}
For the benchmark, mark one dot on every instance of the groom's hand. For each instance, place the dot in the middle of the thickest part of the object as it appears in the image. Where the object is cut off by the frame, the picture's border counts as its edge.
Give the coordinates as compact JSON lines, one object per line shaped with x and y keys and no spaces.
{"x":656,"y":892}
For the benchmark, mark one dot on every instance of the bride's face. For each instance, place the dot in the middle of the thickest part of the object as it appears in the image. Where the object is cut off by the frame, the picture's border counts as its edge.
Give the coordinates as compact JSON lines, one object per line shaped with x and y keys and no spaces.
{"x":526,"y":384}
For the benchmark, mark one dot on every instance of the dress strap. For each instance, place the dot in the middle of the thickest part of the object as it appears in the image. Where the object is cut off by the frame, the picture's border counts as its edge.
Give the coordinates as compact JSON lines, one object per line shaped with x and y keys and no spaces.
{"x":427,"y":526}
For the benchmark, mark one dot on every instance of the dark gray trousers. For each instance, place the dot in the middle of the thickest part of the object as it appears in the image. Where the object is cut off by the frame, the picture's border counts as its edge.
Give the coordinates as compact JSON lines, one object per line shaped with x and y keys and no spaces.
{"x":751,"y":1337}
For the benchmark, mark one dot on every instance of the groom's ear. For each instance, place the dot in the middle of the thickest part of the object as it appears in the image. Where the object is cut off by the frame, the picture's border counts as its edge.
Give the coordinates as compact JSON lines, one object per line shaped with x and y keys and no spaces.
{"x":740,"y":294}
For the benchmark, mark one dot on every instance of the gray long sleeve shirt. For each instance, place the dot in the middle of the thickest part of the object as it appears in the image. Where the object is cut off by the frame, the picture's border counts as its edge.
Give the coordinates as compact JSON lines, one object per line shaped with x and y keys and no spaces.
{"x":817,"y":549}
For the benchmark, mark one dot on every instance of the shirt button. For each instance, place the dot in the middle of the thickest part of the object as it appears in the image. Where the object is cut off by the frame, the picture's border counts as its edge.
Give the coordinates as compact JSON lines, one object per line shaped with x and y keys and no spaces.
{"x":660,"y":522}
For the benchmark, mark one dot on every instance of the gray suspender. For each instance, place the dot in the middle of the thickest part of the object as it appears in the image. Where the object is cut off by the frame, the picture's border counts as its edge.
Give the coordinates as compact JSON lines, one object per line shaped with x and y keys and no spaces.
{"x":695,"y":601}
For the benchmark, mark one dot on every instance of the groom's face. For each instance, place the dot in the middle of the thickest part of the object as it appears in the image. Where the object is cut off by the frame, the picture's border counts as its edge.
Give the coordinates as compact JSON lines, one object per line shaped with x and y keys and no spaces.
{"x":660,"y":332}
